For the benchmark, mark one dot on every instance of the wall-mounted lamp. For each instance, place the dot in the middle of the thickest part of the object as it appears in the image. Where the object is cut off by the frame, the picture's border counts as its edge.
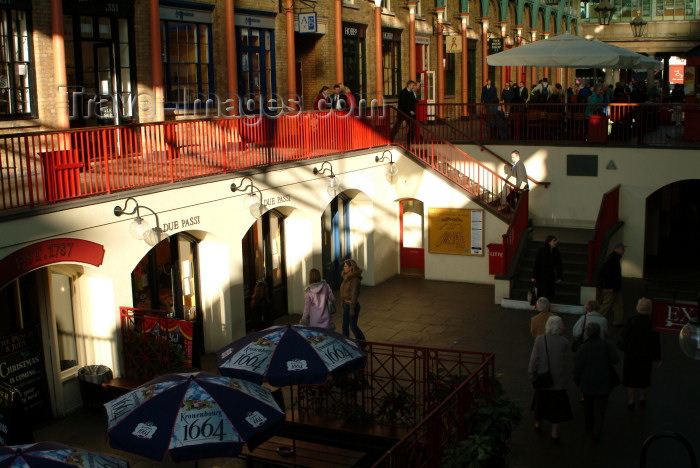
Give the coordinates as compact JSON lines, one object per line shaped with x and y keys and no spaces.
{"x":391,"y":169}
{"x":139,"y":228}
{"x":333,"y":187}
{"x":253,"y":201}
{"x":605,"y":11}
{"x":638,"y":25}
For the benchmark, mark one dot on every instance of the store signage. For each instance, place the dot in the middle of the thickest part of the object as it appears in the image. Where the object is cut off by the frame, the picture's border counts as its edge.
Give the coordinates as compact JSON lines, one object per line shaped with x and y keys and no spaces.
{"x":422,"y":39}
{"x":48,"y":252}
{"x":22,"y":367}
{"x":453,"y":44}
{"x":186,"y":15}
{"x":670,"y":316}
{"x":22,"y":4}
{"x":277,"y":200}
{"x":253,"y":21}
{"x":307,"y":23}
{"x":123,"y":8}
{"x":495,"y":45}
{"x":351,"y":31}
{"x":180,"y":223}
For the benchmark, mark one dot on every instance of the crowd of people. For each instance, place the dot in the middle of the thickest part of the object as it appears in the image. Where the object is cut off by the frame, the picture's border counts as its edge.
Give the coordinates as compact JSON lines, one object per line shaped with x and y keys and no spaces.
{"x":595,"y":356}
{"x":581,"y":91}
{"x":341,"y":99}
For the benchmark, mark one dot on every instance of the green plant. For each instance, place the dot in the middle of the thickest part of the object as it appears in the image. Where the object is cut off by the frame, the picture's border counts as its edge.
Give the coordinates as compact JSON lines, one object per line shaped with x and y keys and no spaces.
{"x":489,"y":426}
{"x":441,"y":384}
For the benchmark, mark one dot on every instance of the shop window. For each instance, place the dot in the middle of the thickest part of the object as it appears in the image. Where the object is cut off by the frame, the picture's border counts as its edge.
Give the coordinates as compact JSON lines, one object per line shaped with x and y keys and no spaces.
{"x":391,"y":52}
{"x":64,"y":319}
{"x":17,"y":99}
{"x":450,"y":76}
{"x":187,"y":62}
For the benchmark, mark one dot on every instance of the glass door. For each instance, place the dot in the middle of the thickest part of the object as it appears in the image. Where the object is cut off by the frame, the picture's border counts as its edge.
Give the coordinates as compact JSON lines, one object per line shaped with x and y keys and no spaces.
{"x":256,"y":72}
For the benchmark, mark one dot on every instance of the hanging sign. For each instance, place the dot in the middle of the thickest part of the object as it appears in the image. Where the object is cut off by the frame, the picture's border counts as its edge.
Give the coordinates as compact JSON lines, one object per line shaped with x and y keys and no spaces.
{"x":495,"y":45}
{"x":307,"y":23}
{"x":670,"y":316}
{"x":453,"y":44}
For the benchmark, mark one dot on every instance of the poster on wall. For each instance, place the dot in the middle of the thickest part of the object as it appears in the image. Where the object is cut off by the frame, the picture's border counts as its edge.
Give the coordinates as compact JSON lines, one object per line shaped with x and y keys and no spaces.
{"x":456,"y":231}
{"x":22,"y":367}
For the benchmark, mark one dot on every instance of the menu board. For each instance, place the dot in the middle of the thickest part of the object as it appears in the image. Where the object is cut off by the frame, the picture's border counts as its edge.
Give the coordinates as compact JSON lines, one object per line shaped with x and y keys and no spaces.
{"x":456,"y":231}
{"x":22,"y":367}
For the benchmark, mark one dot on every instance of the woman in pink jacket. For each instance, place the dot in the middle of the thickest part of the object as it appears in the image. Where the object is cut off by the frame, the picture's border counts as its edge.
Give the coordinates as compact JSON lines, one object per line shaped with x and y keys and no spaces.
{"x":318,"y":293}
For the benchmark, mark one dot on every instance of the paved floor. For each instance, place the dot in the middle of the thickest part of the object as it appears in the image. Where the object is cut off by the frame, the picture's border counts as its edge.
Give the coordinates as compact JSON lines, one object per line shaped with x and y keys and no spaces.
{"x":463,"y":316}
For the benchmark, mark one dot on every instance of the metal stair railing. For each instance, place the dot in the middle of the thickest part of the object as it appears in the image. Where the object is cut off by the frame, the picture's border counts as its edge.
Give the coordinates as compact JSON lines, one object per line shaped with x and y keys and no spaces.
{"x":483,"y":184}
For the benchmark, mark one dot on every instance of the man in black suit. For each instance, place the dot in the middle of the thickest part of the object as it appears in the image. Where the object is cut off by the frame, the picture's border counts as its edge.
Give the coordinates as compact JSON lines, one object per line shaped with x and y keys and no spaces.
{"x":407,"y":107}
{"x":488,"y":92}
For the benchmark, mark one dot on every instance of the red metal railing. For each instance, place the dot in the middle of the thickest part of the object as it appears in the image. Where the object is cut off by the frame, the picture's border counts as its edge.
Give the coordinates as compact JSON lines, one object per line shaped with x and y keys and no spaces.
{"x":516,"y":228}
{"x":399,"y":386}
{"x":568,"y":123}
{"x":452,"y":162}
{"x":607,"y":216}
{"x":46,"y":167}
{"x":146,"y":354}
{"x":445,"y":425}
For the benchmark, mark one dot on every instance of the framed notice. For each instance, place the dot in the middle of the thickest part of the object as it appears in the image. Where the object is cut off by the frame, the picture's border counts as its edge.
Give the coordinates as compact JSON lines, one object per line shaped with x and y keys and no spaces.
{"x":456,"y":231}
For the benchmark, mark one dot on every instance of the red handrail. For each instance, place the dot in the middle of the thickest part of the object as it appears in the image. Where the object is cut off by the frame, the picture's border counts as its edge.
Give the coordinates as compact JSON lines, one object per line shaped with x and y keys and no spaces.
{"x":608,"y":214}
{"x":518,"y":224}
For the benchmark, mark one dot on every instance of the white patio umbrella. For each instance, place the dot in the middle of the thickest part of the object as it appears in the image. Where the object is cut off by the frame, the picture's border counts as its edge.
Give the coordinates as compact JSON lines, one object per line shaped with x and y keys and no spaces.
{"x":567,"y":50}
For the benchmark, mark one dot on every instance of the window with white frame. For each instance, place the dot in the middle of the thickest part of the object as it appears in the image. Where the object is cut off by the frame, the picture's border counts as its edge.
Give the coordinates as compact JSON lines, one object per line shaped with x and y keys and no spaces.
{"x":16,"y":73}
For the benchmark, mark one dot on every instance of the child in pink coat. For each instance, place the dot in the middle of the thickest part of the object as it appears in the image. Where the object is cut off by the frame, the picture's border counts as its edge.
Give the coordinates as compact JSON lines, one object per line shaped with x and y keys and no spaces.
{"x":318,"y":293}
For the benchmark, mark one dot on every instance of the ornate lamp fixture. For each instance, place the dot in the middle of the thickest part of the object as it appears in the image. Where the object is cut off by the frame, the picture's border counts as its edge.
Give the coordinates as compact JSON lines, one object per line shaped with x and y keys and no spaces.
{"x":638,"y":25}
{"x":391,"y":168}
{"x":333,"y":188}
{"x":605,"y":11}
{"x":139,"y":228}
{"x":254,"y":200}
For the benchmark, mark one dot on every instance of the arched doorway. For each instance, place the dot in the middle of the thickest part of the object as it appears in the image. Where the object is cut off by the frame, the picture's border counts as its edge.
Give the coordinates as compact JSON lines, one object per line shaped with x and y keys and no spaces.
{"x":167,"y":279}
{"x":335,"y":247}
{"x":671,"y":225}
{"x":264,"y":261}
{"x":412,"y":253}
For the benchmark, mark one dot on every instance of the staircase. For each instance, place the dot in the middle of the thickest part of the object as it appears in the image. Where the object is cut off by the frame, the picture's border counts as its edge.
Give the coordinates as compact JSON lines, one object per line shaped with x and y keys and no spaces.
{"x":573,"y":245}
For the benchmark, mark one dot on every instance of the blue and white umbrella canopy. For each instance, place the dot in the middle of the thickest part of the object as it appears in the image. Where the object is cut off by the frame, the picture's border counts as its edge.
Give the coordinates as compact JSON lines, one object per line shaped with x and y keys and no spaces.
{"x":291,"y":355}
{"x":53,"y":454}
{"x":194,"y":416}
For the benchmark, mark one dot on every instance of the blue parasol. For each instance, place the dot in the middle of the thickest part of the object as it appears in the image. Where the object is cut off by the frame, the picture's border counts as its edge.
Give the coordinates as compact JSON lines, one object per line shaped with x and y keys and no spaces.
{"x":291,"y":355}
{"x":194,"y":416}
{"x":53,"y":454}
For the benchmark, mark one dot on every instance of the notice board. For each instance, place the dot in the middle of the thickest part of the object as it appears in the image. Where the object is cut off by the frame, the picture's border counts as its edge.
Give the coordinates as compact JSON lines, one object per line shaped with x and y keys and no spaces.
{"x":456,"y":231}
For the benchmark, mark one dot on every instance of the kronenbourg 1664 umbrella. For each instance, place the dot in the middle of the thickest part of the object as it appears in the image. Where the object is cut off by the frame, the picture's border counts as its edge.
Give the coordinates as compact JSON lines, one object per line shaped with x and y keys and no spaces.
{"x":291,"y":355}
{"x":53,"y":454}
{"x":194,"y":416}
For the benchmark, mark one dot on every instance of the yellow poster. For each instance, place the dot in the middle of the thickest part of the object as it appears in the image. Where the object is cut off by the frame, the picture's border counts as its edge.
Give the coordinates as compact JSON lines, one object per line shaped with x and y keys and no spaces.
{"x":455,"y":231}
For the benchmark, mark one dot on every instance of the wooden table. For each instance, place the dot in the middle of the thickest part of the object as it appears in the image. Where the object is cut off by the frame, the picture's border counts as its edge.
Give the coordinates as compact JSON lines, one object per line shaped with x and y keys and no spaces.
{"x":308,"y":454}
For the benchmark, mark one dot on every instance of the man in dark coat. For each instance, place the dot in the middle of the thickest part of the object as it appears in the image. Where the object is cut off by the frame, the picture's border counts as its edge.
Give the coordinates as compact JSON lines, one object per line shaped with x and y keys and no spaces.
{"x":610,"y":285}
{"x":407,"y":107}
{"x":488,"y":92}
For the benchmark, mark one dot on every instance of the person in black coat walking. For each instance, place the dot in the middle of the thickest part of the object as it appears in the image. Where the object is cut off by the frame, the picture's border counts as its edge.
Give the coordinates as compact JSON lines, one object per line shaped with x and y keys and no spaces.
{"x":642,"y":346}
{"x":592,"y":376}
{"x":548,"y":268}
{"x":488,"y":92}
{"x":407,"y":107}
{"x":610,"y":285}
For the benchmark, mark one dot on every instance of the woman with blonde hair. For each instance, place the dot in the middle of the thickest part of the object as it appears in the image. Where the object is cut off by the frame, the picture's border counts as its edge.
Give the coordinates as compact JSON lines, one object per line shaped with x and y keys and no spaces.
{"x":642,"y":346}
{"x":349,"y":292}
{"x":317,"y":295}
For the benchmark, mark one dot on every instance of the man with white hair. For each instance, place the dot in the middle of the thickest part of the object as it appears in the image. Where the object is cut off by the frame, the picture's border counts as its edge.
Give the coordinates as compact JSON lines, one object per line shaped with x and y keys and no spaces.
{"x":538,"y":322}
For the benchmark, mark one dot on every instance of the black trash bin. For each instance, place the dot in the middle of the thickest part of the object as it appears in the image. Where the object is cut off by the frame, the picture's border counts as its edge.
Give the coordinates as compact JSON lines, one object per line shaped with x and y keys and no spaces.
{"x":91,"y":379}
